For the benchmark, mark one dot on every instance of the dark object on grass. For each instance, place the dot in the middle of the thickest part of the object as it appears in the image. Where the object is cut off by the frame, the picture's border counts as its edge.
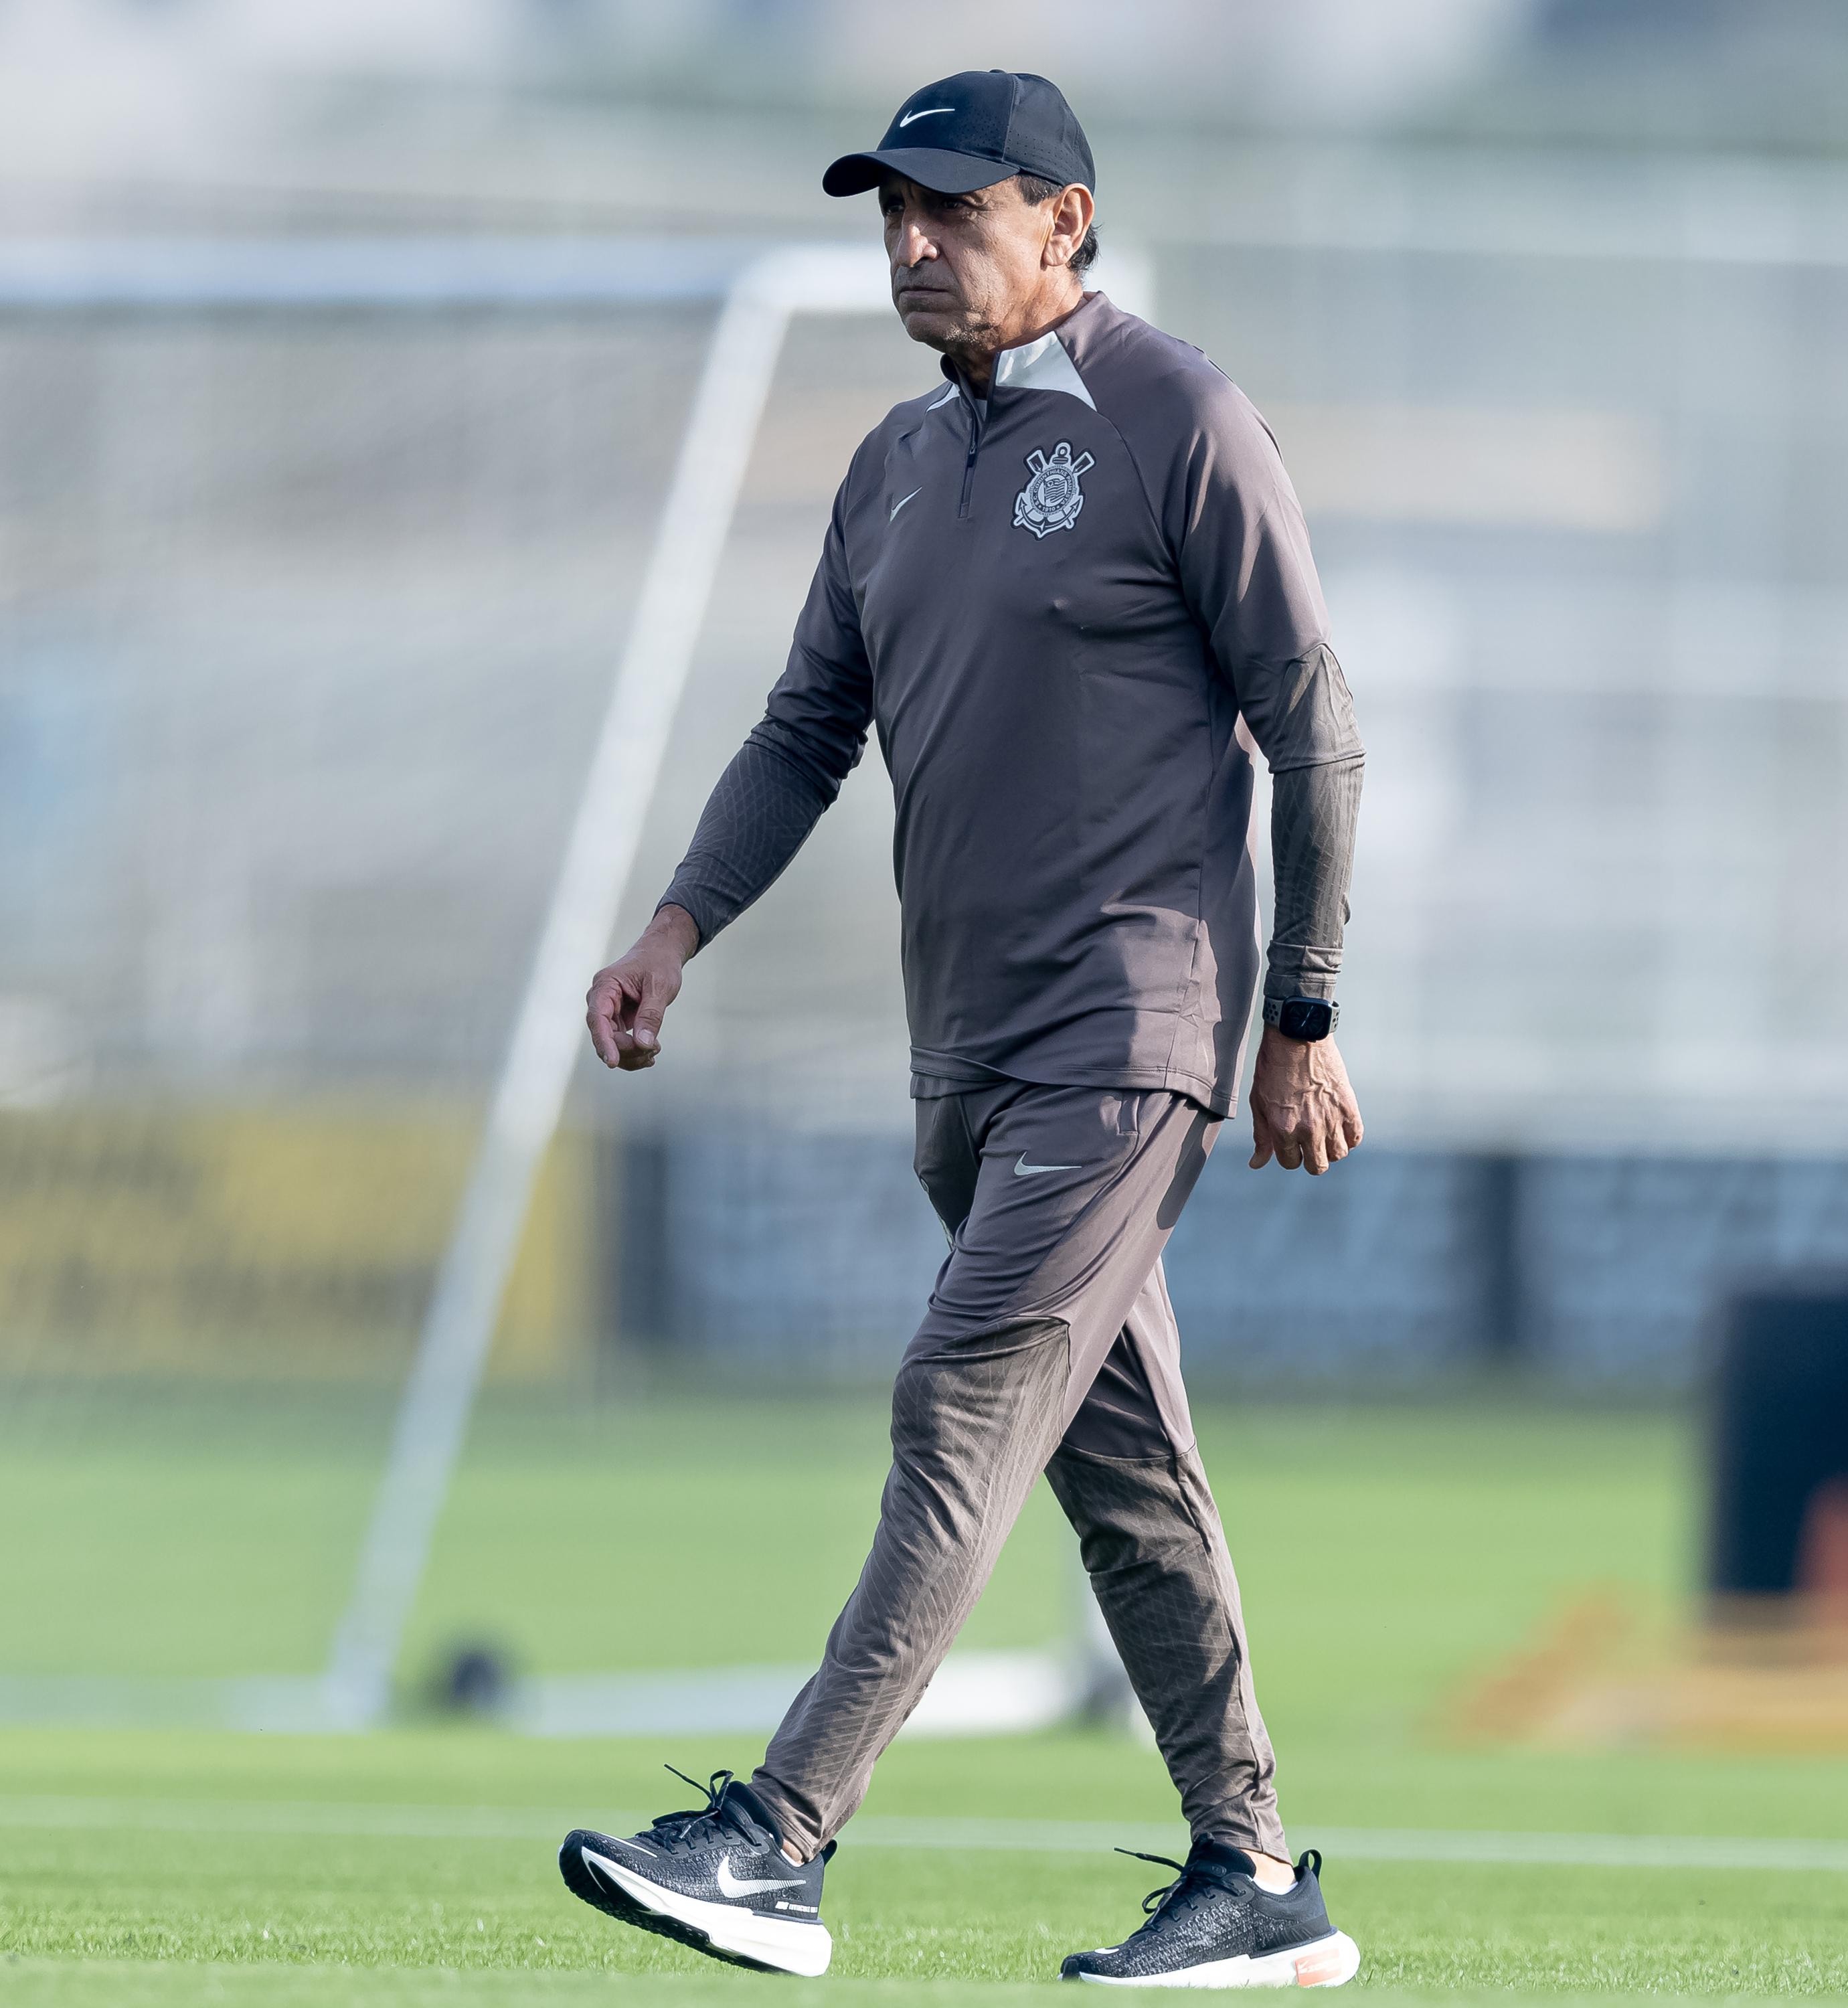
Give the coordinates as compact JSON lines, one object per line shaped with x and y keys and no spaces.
{"x":1780,"y":1443}
{"x":474,"y":1680}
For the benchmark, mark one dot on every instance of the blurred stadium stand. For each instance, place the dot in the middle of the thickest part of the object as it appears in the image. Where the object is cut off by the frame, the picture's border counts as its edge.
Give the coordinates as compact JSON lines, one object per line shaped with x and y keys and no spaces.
{"x":779,"y":1253}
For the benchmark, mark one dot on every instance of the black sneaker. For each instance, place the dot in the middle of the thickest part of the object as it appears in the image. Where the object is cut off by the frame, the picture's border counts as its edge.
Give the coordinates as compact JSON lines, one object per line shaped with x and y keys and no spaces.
{"x":716,"y":1880}
{"x":1213,"y":1927}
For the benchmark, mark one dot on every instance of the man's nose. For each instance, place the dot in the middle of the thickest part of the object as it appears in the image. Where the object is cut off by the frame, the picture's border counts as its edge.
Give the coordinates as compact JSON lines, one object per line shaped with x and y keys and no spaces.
{"x":913,"y":246}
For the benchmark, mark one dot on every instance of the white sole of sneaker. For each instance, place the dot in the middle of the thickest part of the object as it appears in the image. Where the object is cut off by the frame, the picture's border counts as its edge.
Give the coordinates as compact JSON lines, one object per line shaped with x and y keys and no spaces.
{"x":782,"y":1942}
{"x":1329,"y":1962}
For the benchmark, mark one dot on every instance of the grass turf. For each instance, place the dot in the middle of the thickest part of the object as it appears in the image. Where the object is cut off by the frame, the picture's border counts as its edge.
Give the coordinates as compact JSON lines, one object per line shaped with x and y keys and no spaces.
{"x":1387,"y":1555}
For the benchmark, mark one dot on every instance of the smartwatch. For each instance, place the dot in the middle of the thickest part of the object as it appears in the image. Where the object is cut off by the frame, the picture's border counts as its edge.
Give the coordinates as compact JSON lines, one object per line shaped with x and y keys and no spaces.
{"x":1305,"y":1018}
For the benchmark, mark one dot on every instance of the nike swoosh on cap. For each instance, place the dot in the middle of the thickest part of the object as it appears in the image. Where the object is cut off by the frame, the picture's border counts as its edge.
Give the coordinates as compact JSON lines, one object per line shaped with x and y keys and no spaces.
{"x":1024,"y":1170}
{"x":935,"y":111}
{"x":731,"y":1886}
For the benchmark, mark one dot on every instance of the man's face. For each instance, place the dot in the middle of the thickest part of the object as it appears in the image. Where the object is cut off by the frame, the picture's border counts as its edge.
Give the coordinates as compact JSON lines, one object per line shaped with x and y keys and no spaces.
{"x":962,"y":264}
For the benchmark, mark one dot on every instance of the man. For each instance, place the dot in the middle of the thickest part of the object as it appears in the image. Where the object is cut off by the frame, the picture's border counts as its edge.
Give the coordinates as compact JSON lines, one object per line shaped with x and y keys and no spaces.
{"x":1071,"y":586}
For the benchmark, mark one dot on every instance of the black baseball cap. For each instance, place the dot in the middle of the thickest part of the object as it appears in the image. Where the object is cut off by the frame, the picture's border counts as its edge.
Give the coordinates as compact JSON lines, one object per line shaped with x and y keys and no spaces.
{"x":970,"y":131}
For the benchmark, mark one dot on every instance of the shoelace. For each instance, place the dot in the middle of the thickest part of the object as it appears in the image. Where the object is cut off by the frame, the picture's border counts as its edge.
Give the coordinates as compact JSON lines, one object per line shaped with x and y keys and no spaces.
{"x":1188,"y":1879}
{"x":675,"y":1832}
{"x":1155,"y":1903}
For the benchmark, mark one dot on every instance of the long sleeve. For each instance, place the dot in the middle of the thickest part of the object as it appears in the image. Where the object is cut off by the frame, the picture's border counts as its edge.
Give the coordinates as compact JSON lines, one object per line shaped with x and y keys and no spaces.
{"x":1247,"y":568}
{"x":1313,"y":811}
{"x":791,"y":766}
{"x":755,"y":820}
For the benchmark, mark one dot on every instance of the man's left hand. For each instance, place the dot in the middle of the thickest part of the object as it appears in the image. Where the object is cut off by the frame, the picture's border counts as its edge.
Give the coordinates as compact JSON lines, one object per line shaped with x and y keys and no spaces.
{"x":1302,"y":1110}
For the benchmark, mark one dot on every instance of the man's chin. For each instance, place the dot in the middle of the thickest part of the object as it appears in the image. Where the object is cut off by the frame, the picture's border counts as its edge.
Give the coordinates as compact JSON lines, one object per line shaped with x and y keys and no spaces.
{"x":936,"y":326}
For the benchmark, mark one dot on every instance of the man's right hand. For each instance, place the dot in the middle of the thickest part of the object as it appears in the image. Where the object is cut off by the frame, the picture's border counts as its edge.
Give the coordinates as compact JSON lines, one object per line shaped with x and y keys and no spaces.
{"x":1302,"y":1108}
{"x":628,"y":1000}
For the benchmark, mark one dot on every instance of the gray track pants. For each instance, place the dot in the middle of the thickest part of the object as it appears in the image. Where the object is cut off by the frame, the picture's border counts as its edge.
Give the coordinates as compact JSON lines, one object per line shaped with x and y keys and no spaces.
{"x":1049,"y":1344}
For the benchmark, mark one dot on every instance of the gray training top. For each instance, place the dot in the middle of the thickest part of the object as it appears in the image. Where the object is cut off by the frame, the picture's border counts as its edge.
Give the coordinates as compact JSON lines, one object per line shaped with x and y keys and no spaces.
{"x":1069,"y":617}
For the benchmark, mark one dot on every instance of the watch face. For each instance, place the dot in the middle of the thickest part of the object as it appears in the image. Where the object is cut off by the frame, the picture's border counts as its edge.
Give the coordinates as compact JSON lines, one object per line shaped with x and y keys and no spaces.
{"x":1305,"y":1018}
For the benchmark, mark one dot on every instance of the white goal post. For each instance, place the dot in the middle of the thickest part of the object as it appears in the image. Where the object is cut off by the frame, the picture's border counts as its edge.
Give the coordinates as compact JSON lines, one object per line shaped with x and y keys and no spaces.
{"x":619,"y":788}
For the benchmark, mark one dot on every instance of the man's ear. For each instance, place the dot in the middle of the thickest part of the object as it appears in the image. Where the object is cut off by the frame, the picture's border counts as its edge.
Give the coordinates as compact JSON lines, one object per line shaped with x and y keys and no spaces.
{"x":1073,"y":211}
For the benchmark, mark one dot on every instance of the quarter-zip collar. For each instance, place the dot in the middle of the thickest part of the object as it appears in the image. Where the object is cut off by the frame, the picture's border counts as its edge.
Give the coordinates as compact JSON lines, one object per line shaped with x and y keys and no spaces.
{"x":1041,"y":364}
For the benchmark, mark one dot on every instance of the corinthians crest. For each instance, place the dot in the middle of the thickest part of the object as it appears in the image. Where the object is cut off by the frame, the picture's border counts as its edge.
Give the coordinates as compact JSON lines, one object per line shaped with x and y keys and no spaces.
{"x":1052,"y":499}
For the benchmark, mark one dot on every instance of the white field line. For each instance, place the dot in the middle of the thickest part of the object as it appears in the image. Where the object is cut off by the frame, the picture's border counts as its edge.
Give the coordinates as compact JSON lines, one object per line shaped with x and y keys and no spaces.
{"x":456,"y":1823}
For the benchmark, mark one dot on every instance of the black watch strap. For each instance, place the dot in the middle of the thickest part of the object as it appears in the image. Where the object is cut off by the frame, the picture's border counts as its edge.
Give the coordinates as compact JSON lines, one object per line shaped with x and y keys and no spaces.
{"x":1306,"y":1018}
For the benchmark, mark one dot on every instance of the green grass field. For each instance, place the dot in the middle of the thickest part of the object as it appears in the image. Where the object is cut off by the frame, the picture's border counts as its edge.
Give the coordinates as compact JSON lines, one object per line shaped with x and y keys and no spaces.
{"x":1389,"y":1556}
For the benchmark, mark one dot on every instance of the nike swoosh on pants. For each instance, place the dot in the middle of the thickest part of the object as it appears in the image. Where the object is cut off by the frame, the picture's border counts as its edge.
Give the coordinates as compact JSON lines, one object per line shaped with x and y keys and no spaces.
{"x":1024,"y":1170}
